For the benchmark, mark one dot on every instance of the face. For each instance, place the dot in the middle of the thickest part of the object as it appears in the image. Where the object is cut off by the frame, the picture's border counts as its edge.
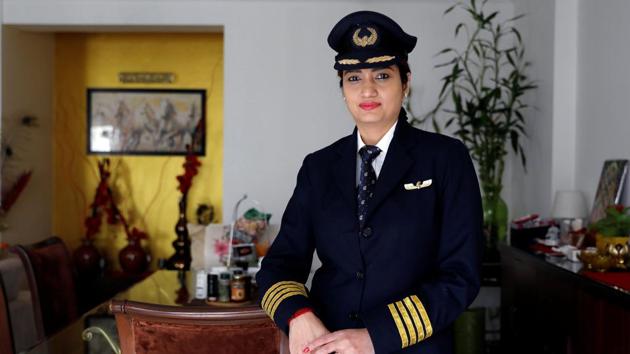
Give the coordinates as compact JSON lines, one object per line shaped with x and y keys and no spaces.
{"x":374,"y":96}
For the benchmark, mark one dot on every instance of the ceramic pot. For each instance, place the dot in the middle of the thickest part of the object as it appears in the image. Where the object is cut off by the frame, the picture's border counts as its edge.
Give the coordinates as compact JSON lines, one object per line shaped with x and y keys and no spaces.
{"x":133,"y":259}
{"x":602,"y":242}
{"x":87,"y":259}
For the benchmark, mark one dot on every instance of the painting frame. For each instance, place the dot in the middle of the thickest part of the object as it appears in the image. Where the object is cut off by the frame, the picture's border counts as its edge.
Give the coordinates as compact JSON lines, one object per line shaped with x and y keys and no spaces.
{"x":609,"y":188}
{"x":146,"y":121}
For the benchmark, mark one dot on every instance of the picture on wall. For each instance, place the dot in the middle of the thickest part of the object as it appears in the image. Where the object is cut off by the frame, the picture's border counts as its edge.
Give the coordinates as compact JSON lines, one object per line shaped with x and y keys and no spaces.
{"x":146,"y":121}
{"x":609,"y":188}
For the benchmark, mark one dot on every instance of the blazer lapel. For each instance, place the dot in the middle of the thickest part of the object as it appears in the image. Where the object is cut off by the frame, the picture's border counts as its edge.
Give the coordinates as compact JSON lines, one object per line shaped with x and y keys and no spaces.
{"x":345,"y":169}
{"x":397,"y":162}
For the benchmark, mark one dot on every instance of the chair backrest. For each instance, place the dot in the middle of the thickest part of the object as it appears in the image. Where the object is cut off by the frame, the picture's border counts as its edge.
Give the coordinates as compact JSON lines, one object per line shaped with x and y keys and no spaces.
{"x":6,"y":337}
{"x":51,"y":278}
{"x":147,"y":328}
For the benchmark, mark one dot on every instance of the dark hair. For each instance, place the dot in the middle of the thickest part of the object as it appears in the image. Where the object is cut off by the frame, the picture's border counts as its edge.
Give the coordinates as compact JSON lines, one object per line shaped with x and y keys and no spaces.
{"x":403,"y":67}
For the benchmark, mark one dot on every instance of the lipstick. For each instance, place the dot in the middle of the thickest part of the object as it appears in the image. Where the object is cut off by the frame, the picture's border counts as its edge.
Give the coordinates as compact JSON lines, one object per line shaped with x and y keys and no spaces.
{"x":368,"y":106}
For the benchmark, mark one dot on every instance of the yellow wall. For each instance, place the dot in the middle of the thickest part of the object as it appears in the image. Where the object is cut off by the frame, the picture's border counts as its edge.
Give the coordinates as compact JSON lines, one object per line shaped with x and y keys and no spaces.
{"x":145,"y":186}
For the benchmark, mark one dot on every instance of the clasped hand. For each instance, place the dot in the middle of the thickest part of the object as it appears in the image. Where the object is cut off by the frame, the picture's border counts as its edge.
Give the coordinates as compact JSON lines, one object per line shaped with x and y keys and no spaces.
{"x":307,"y":334}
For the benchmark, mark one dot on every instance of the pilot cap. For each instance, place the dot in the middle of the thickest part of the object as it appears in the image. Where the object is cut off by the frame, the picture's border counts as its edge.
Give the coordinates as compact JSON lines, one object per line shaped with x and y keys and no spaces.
{"x":368,"y":39}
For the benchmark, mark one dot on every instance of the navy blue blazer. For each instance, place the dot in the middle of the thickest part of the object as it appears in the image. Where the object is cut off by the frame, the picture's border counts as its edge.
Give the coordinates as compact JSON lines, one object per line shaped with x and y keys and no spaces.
{"x":412,"y":269}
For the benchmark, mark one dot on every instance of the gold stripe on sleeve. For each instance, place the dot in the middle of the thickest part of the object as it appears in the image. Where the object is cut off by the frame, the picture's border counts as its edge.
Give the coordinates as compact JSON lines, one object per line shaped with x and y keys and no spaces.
{"x":280,"y":290}
{"x":282,"y":298}
{"x":276,"y":297}
{"x":416,"y":318}
{"x":405,"y":316}
{"x":273,"y":288}
{"x":399,"y":325}
{"x":423,"y":314}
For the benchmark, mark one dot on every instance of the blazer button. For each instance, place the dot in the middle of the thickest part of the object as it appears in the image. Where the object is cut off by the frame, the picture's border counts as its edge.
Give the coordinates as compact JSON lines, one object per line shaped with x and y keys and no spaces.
{"x":353,"y":316}
{"x":359,"y":275}
{"x":367,"y":232}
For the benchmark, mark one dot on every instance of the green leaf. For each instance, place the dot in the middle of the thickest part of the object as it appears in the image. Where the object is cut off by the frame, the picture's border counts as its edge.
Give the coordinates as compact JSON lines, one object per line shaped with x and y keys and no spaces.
{"x":444,"y":87}
{"x":443,"y":51}
{"x":514,"y":140}
{"x":436,"y":127}
{"x":474,"y":15}
{"x":490,"y":17}
{"x":450,"y":9}
{"x":517,"y":34}
{"x":515,"y":18}
{"x":510,"y":59}
{"x":459,"y":26}
{"x":450,"y":62}
{"x":523,"y":159}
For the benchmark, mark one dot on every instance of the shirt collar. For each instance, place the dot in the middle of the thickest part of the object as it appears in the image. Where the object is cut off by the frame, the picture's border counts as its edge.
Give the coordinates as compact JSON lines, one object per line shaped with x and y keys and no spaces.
{"x":383,"y":144}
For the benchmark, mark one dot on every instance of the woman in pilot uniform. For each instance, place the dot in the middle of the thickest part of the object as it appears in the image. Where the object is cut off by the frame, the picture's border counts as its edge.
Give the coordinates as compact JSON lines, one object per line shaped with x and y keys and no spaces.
{"x":394,"y":213}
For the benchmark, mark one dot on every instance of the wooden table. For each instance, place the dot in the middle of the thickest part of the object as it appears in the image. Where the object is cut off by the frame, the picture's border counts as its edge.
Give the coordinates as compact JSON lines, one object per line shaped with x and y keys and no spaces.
{"x":549,"y":306}
{"x":163,"y":288}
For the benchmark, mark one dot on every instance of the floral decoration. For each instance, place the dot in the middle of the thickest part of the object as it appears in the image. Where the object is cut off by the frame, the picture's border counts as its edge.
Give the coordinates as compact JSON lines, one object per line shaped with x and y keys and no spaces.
{"x":615,"y":223}
{"x":191,"y":169}
{"x":104,"y":202}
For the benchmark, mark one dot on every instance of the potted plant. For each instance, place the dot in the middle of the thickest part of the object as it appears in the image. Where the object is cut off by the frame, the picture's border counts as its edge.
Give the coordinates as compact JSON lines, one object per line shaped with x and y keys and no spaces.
{"x":613,"y":228}
{"x":483,"y":93}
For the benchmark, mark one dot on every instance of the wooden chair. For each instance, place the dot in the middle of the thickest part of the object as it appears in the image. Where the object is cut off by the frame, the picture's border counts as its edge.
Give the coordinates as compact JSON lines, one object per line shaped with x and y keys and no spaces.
{"x":51,"y":277}
{"x":159,"y":329}
{"x":6,"y":336}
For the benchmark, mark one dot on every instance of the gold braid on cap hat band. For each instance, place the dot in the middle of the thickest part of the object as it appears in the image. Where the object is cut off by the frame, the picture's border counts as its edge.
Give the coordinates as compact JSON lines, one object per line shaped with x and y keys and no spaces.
{"x":380,"y":59}
{"x":368,"y":61}
{"x":349,"y":61}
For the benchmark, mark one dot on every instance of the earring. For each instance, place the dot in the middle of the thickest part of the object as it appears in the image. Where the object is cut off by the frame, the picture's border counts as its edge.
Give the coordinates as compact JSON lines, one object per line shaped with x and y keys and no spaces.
{"x":344,"y":98}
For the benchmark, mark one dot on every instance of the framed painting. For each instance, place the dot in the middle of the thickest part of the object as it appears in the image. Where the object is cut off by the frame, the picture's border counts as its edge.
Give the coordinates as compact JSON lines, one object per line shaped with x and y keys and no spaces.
{"x":609,"y":188}
{"x":146,"y":121}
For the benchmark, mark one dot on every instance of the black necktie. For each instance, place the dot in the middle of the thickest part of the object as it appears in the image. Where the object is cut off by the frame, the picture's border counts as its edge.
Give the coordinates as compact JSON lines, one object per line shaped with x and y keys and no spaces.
{"x":367,"y":180}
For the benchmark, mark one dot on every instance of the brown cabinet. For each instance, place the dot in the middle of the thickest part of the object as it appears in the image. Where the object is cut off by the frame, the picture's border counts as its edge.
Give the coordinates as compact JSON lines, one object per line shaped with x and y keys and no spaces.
{"x":549,"y":307}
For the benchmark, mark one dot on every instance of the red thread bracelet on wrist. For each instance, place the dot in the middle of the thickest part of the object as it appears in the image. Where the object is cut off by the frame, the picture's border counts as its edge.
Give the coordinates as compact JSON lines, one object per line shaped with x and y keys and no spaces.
{"x":300,"y":312}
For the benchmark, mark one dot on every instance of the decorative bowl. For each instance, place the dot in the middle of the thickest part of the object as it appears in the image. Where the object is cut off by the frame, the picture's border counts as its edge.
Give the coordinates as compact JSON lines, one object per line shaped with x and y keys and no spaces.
{"x":596,"y":261}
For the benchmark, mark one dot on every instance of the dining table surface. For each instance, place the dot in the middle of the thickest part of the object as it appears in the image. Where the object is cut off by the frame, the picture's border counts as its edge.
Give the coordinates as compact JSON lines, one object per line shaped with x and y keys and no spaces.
{"x":161,"y":287}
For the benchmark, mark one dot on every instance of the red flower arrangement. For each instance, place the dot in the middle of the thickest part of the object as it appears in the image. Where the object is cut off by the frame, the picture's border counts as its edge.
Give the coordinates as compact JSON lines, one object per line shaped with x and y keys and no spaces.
{"x":104,"y":201}
{"x":191,"y":168}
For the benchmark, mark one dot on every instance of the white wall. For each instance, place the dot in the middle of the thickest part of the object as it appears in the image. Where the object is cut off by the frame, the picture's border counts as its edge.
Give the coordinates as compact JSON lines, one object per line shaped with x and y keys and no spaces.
{"x":281,"y":95}
{"x":282,"y":99}
{"x":531,"y":191}
{"x":603,"y":130}
{"x":27,"y":70}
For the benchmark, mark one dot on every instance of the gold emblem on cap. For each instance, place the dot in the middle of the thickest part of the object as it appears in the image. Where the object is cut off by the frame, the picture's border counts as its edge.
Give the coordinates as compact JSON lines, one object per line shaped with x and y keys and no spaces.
{"x":365,"y":40}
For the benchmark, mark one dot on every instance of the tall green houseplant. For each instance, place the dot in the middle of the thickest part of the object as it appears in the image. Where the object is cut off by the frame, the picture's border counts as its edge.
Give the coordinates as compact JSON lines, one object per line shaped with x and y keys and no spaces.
{"x":483,"y":93}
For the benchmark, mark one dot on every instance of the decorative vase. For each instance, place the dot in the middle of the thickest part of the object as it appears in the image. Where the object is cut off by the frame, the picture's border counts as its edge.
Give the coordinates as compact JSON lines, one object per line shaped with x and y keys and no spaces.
{"x":87,"y":259}
{"x":495,"y":220}
{"x":181,"y":259}
{"x":495,"y":211}
{"x":133,"y":259}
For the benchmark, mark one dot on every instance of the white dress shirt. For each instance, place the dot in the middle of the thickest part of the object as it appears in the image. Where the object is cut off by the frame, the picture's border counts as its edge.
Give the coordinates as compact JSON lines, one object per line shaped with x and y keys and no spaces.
{"x":383,"y":144}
